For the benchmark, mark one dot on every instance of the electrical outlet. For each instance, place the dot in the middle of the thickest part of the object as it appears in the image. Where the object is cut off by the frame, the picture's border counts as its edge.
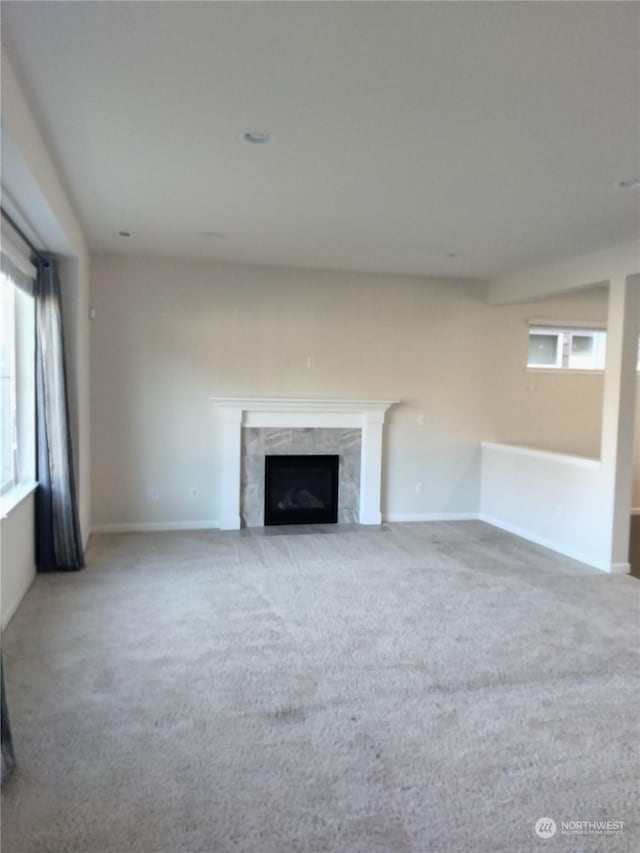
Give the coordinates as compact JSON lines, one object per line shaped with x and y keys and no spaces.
{"x":310,"y":361}
{"x":420,"y":419}
{"x":418,"y":488}
{"x":153,"y":494}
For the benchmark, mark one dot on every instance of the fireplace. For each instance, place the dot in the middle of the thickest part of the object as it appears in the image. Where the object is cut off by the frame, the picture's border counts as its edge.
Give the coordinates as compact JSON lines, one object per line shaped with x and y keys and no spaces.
{"x":301,"y":489}
{"x":297,"y":414}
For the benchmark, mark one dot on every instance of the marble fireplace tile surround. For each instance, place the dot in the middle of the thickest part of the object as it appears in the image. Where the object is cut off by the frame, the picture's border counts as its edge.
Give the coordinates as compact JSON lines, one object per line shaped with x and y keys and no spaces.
{"x":260,"y":441}
{"x":291,"y":420}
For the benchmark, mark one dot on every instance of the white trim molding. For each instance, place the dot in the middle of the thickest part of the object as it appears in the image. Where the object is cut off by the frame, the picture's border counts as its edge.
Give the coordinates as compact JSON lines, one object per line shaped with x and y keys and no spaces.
{"x":568,"y":324}
{"x":533,"y":452}
{"x":154,"y":527}
{"x":306,"y":406}
{"x":300,"y":412}
{"x":430,"y":516}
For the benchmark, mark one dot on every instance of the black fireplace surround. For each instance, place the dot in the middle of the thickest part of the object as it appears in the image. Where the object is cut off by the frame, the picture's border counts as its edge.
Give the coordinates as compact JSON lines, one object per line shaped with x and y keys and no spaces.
{"x":301,"y":489}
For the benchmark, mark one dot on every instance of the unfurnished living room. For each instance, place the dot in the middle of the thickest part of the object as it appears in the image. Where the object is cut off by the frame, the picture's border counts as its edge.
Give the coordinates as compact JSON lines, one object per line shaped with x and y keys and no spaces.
{"x":320,"y":447}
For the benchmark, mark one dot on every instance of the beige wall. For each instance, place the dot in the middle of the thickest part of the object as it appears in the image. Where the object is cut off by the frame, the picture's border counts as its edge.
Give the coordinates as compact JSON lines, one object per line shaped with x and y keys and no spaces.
{"x":170,"y":334}
{"x":46,"y":205}
{"x":554,"y":411}
{"x":551,"y":411}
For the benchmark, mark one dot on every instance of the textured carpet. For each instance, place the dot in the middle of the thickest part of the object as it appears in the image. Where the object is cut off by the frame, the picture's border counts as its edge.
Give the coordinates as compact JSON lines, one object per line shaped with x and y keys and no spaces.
{"x":425,"y":687}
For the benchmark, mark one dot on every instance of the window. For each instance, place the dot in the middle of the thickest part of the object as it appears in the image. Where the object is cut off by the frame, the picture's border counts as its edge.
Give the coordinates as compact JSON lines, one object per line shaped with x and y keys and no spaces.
{"x":17,"y":375}
{"x":8,"y":442}
{"x":567,"y":348}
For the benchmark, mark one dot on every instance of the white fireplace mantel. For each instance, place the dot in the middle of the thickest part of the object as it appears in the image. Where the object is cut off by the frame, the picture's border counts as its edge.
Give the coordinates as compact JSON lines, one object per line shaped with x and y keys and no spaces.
{"x":299,"y":412}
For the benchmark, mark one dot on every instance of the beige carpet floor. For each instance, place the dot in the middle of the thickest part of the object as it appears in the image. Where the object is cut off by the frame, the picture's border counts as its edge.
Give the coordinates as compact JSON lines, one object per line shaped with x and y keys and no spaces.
{"x":423,"y":688}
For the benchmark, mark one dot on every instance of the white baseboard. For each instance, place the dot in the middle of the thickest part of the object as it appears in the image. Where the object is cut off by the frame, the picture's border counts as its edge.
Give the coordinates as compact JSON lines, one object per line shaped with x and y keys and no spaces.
{"x":431,"y":516}
{"x":155,"y":526}
{"x":573,"y":553}
{"x":7,"y":616}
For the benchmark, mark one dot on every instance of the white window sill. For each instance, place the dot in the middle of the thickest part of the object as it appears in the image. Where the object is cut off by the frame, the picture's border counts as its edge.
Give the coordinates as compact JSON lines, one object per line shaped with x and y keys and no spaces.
{"x":574,"y":370}
{"x":13,"y":498}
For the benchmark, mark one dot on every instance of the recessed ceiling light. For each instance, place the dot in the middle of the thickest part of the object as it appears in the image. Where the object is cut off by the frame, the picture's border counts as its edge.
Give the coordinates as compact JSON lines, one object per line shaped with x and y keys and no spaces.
{"x":631,"y":184}
{"x":211,"y":234}
{"x":124,"y":233}
{"x":258,"y":137}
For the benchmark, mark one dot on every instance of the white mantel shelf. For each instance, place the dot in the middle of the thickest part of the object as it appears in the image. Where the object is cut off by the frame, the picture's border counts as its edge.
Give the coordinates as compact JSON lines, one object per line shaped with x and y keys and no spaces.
{"x":301,"y":412}
{"x":303,"y":404}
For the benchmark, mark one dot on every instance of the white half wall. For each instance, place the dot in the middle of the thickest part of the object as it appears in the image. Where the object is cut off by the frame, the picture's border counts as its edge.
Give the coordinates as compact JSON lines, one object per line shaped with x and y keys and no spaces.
{"x":577,"y":506}
{"x":548,"y":498}
{"x":17,"y":556}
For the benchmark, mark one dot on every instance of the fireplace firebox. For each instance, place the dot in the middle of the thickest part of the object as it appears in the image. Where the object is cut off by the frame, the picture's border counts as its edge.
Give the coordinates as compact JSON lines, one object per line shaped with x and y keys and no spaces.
{"x":301,"y":489}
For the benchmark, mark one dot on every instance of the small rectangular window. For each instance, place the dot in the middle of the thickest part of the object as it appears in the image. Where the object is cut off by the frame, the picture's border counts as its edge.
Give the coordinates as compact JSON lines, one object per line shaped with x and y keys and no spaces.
{"x":545,"y":348}
{"x":568,"y":349}
{"x":587,"y":350}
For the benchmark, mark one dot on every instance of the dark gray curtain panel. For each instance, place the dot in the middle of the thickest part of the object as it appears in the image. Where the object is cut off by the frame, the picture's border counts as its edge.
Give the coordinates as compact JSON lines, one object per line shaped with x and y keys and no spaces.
{"x":58,"y":540}
{"x":8,"y":758}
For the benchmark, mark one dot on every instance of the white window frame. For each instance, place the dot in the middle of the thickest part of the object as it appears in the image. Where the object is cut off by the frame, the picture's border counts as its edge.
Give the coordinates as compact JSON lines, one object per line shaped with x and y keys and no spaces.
{"x":600,"y":347}
{"x":19,"y":273}
{"x":566,"y":330}
{"x":8,"y":427}
{"x":540,"y":332}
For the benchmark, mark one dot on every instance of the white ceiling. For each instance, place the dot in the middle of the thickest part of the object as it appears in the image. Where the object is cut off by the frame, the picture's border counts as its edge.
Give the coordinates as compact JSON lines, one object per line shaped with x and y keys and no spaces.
{"x":405,"y":131}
